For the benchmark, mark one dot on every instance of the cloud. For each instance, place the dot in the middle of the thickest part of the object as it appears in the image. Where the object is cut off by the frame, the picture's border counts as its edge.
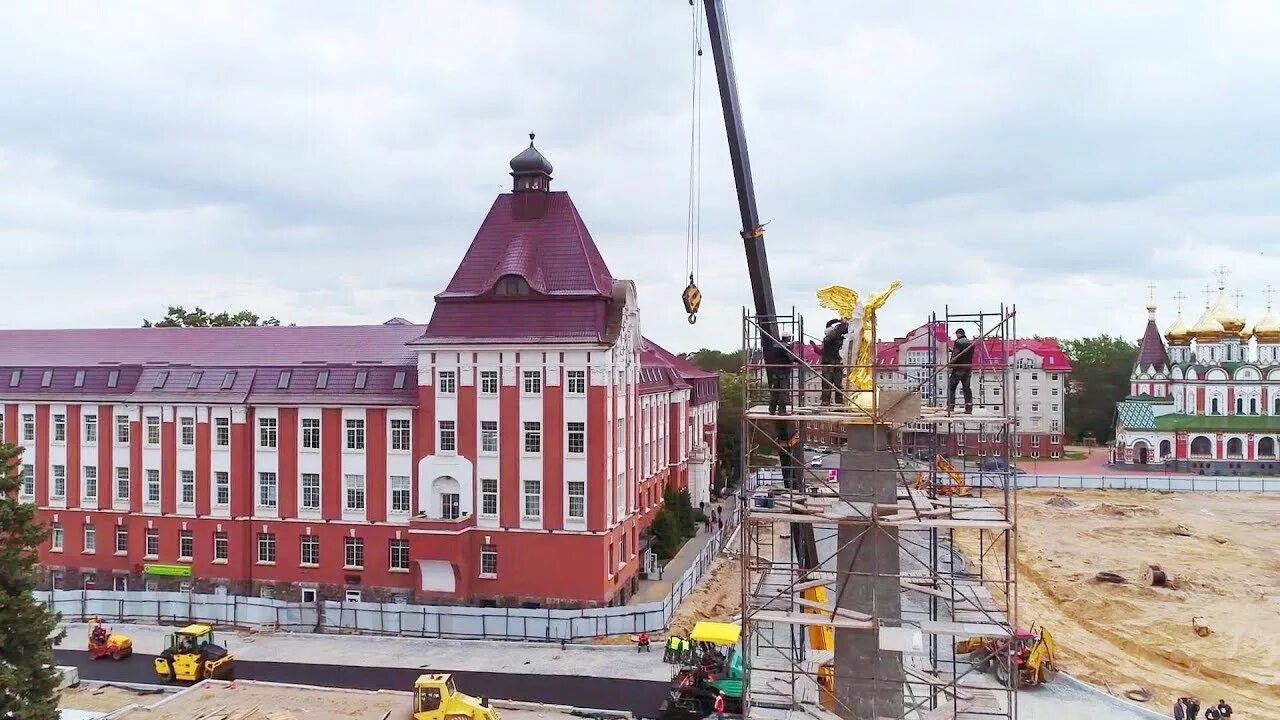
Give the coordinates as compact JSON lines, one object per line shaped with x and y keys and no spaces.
{"x":331,"y":166}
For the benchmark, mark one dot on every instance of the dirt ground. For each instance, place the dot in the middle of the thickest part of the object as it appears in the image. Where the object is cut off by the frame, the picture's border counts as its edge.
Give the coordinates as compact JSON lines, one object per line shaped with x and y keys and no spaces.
{"x":718,"y":598}
{"x":104,"y":699}
{"x":1223,"y":554}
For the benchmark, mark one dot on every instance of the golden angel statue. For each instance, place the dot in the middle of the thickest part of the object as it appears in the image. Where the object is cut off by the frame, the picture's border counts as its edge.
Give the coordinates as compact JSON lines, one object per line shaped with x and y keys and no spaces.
{"x":859,"y":350}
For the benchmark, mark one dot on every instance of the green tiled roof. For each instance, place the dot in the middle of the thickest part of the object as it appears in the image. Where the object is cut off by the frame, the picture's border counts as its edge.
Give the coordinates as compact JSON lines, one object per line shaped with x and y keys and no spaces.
{"x":1229,"y":423}
{"x":1144,"y":397}
{"x":1135,"y":415}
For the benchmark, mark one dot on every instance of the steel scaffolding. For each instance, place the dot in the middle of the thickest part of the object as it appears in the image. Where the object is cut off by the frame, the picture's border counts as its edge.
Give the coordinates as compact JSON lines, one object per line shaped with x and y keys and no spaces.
{"x":866,"y":621}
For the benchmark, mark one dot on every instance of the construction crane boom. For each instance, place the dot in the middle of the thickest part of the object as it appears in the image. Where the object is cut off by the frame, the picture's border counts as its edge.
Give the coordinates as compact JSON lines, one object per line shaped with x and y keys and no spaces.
{"x":802,"y":536}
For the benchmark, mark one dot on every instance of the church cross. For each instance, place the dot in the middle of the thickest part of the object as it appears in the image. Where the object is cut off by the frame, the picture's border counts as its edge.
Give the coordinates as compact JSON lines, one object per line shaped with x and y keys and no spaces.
{"x":1238,"y":296}
{"x":1267,"y":293}
{"x":1222,"y":273}
{"x":1151,"y":293}
{"x":1208,"y":293}
{"x":1179,"y":297}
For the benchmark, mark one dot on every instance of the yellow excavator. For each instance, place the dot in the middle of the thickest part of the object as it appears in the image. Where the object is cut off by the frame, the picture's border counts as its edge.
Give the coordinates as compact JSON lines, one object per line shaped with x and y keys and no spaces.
{"x":957,"y":486}
{"x":436,"y":698}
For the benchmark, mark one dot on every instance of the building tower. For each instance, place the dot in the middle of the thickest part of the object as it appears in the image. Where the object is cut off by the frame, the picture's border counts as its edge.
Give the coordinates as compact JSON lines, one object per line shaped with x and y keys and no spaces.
{"x":1207,"y":334}
{"x":1179,"y":337}
{"x":1151,"y":370}
{"x":1267,"y":332}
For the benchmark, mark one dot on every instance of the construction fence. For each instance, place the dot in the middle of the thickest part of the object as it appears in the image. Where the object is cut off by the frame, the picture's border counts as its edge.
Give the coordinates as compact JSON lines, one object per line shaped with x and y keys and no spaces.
{"x":1167,"y":483}
{"x":429,"y":621}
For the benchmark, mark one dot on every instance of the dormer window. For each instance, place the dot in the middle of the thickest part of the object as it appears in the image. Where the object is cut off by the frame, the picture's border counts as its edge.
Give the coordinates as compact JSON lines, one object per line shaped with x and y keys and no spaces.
{"x":511,"y":286}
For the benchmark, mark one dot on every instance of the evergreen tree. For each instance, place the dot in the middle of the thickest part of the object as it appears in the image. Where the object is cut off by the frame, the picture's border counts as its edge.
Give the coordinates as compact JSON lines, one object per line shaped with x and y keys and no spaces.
{"x":28,"y":679}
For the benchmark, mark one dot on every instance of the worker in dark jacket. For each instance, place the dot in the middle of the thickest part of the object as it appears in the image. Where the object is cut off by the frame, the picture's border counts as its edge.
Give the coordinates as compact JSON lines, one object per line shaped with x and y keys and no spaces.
{"x":960,"y":369}
{"x":778,"y":361}
{"x":832,"y":364}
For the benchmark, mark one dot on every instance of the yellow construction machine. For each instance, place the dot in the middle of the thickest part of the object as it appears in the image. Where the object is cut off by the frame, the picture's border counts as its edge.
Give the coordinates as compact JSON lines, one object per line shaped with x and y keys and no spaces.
{"x":1025,"y":660}
{"x":104,"y":643}
{"x":436,"y":698}
{"x":192,"y":654}
{"x":957,"y":485}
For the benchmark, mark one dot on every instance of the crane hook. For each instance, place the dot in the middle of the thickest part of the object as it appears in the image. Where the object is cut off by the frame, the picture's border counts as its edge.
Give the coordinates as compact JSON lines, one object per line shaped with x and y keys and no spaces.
{"x":692,"y":298}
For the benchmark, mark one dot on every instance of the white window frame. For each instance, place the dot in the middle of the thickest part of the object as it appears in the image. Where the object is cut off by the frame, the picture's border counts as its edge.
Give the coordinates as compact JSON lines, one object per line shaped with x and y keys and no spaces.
{"x":353,"y":556}
{"x":186,"y":538}
{"x":450,"y":506}
{"x":580,"y":433}
{"x":28,"y":427}
{"x":28,"y":481}
{"x":90,"y":539}
{"x":399,"y":487}
{"x":267,"y":491}
{"x":531,"y":383}
{"x":355,"y":440}
{"x":186,"y":481}
{"x":268,"y":433}
{"x":580,"y":496}
{"x":57,"y":537}
{"x":447,"y":382}
{"x":216,"y":486}
{"x":354,"y":488}
{"x":90,"y":436}
{"x":222,"y":432}
{"x":401,"y":435}
{"x":531,"y":438}
{"x":488,"y":561}
{"x":447,"y":437}
{"x":89,"y":485}
{"x":489,"y":378}
{"x":304,"y":491}
{"x":485,"y":493}
{"x":575,"y":383}
{"x":398,"y":548}
{"x":487,"y":434}
{"x":311,"y":434}
{"x":58,"y":482}
{"x":152,"y":431}
{"x":187,"y":431}
{"x":526,"y":496}
{"x":309,"y":543}
{"x":221,"y":546}
{"x":267,"y":553}
{"x":59,"y":434}
{"x":122,"y":540}
{"x":151,"y":481}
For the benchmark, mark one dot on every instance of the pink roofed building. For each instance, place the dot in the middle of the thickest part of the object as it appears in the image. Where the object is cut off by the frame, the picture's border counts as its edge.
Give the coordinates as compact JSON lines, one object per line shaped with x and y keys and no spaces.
{"x":513,"y":450}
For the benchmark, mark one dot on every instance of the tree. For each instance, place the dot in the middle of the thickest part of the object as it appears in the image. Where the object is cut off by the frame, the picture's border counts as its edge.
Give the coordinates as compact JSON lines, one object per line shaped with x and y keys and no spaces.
{"x":1099,"y":379}
{"x":179,"y":316}
{"x":729,"y":427}
{"x":716,"y":361}
{"x":28,"y":679}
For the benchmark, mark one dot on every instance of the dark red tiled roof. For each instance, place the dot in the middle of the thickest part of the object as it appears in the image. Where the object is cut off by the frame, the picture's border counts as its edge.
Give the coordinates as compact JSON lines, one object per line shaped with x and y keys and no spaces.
{"x":1151,"y":352}
{"x":553,"y":253}
{"x":210,"y":347}
{"x":523,"y":320}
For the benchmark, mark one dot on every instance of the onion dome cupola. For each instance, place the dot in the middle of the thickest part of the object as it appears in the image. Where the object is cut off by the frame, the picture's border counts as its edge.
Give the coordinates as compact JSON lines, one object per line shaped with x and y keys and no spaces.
{"x":1230,"y":318}
{"x":1207,"y":329}
{"x":1178,"y":333}
{"x":1267,"y":330}
{"x":530,"y":170}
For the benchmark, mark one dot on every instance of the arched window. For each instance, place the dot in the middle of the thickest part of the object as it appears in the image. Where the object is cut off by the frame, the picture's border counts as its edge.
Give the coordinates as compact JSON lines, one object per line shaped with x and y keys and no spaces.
{"x":1166,"y":449}
{"x":1239,"y":406}
{"x":447,"y":497}
{"x":511,"y":286}
{"x":1235,"y":448}
{"x":1267,"y":447}
{"x":1253,"y":406}
{"x":1213,"y":407}
{"x":1201,"y":446}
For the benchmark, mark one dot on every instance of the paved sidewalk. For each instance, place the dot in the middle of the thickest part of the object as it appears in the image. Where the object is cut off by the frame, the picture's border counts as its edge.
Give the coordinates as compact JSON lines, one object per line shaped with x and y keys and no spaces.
{"x":365,"y":651}
{"x":658,"y":590}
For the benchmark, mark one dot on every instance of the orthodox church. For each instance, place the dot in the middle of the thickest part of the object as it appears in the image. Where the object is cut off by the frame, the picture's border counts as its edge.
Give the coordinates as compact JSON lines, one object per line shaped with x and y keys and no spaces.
{"x":1208,"y":401}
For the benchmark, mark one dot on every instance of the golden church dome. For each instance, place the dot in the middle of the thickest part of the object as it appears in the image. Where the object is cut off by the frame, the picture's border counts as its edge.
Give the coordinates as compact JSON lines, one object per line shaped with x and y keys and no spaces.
{"x":1179,"y":333}
{"x":1207,"y":328}
{"x":1267,"y":329}
{"x":1231,"y":319}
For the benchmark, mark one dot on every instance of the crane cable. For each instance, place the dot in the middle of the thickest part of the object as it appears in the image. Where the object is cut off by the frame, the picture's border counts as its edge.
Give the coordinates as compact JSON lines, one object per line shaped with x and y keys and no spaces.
{"x":692,"y":296}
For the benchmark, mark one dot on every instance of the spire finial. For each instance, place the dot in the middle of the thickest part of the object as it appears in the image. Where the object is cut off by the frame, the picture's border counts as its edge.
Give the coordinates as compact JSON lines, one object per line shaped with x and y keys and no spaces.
{"x":1179,"y":297}
{"x":1268,"y":292}
{"x":1222,"y":273}
{"x":530,"y":138}
{"x":1238,"y":296}
{"x":1151,"y":294}
{"x":1208,"y":293}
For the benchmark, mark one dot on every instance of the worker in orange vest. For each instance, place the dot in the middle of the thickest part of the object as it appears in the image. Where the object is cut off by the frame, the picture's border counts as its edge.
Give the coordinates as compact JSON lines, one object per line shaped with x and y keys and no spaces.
{"x":719,"y":706}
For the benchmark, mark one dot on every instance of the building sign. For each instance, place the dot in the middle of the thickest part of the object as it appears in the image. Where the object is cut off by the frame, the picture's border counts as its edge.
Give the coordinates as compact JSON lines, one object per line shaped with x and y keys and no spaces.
{"x":167,"y":570}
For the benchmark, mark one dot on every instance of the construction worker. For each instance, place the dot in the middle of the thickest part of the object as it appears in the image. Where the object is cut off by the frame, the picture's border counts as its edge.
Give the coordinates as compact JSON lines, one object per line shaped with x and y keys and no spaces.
{"x":778,"y":363}
{"x":1224,"y":709}
{"x":719,"y":706}
{"x":832,"y":363}
{"x":671,"y":653}
{"x":642,"y":643}
{"x":959,"y":371}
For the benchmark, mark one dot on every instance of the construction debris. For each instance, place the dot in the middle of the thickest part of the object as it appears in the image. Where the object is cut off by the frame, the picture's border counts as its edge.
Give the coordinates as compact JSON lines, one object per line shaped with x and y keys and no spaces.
{"x":1061,"y":501}
{"x":1154,"y":576}
{"x":1200,"y":627}
{"x":1182,"y":530}
{"x":1110,"y":577}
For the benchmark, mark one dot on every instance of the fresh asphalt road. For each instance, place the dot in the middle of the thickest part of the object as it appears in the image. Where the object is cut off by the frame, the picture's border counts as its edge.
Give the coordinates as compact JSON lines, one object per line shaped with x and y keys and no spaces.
{"x":640,"y":697}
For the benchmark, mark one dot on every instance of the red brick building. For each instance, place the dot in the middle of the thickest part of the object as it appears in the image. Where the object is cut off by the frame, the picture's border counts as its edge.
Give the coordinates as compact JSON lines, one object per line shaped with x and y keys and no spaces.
{"x":513,"y":450}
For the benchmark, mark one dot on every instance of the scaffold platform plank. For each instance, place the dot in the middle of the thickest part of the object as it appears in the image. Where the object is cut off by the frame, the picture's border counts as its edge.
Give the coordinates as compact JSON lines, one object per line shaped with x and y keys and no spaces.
{"x":963,"y":629}
{"x":931,"y":416}
{"x":810,"y":619}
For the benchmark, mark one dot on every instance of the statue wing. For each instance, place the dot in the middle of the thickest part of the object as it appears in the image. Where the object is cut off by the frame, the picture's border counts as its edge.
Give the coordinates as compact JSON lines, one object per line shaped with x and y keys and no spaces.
{"x":840,"y":299}
{"x":877,"y":300}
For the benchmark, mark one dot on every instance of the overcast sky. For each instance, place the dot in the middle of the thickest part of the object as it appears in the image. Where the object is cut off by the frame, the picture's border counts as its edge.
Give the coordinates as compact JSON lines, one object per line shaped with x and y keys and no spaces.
{"x":328,"y":164}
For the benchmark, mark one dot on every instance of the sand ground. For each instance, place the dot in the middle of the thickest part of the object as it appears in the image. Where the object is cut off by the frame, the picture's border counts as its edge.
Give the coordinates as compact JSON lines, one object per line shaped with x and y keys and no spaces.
{"x":104,"y":698}
{"x":1223,"y":553}
{"x":717,"y":598}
